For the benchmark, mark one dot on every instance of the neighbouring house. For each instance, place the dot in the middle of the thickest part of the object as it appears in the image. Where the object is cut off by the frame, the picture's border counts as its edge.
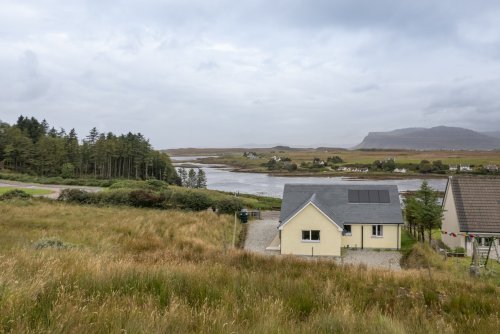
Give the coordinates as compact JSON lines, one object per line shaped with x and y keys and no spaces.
{"x":453,"y":168}
{"x":250,"y":155}
{"x":492,"y":168}
{"x":399,"y":170}
{"x":321,"y":219}
{"x":465,"y":168}
{"x":472,"y":210}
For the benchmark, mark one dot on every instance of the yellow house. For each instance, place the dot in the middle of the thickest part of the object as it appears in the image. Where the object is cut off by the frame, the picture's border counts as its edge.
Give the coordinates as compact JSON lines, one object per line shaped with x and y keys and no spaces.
{"x":318,"y":220}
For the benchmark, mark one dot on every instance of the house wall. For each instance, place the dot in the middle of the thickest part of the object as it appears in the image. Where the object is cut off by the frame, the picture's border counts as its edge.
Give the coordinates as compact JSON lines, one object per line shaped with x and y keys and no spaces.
{"x":310,"y":218}
{"x":353,"y":241}
{"x":450,"y":221}
{"x":389,"y":240}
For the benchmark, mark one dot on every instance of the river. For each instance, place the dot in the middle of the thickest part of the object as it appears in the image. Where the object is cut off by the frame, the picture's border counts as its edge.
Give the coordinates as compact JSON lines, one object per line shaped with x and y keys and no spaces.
{"x":221,"y":178}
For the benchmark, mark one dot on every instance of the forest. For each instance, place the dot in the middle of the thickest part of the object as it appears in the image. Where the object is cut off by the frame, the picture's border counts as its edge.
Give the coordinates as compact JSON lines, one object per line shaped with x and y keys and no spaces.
{"x":33,"y":147}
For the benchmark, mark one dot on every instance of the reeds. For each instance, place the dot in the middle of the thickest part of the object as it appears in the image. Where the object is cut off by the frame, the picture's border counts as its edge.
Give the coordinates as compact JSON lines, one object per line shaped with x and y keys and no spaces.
{"x":144,"y":271}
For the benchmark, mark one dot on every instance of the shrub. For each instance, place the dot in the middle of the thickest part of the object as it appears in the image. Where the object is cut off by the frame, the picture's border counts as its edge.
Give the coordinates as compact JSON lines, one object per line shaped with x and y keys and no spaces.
{"x":114,"y":197}
{"x":15,"y":194}
{"x":51,"y":243}
{"x":229,"y":205}
{"x":144,"y":199}
{"x":193,"y":200}
{"x":156,"y":184}
{"x":129,"y":184}
{"x":75,"y":196}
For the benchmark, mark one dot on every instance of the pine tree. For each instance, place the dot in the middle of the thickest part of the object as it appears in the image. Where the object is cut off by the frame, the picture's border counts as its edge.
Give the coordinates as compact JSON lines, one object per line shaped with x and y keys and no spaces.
{"x":191,"y":179}
{"x":183,"y":175}
{"x":201,"y":180}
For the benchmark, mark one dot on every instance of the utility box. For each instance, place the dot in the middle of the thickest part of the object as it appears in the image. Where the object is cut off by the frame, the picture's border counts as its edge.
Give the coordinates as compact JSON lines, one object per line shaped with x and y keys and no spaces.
{"x":243,"y":216}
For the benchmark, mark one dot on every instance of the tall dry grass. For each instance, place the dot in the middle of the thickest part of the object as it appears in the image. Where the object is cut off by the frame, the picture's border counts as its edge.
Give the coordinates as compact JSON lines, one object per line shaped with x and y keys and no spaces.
{"x":144,"y":271}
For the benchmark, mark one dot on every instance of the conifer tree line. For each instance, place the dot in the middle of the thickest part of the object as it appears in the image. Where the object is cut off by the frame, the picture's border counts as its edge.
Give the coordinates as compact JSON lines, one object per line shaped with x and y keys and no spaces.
{"x":423,"y":212}
{"x":191,"y":179}
{"x":33,"y":147}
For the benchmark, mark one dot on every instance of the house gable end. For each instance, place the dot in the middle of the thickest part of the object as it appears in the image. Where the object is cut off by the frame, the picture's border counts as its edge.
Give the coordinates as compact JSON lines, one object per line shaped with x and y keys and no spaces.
{"x":310,"y":203}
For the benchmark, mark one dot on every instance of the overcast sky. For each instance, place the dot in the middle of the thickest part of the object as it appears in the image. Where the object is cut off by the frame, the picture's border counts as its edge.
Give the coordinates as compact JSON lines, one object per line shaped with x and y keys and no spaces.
{"x":225,"y":73}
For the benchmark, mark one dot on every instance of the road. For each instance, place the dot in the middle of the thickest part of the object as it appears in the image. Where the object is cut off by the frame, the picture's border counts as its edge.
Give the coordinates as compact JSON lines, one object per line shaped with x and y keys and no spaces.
{"x":55,"y":188}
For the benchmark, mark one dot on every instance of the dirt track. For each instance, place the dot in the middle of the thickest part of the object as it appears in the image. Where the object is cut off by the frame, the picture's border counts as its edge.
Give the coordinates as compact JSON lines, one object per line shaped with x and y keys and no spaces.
{"x":55,"y":188}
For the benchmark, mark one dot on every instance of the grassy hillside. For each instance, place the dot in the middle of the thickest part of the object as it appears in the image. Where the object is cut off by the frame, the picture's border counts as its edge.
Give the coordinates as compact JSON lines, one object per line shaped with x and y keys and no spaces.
{"x":83,"y":269}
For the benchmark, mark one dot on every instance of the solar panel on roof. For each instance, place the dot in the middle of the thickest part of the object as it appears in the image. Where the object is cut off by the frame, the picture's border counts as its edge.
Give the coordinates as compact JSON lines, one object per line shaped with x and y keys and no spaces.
{"x":373,"y":195}
{"x":353,"y":196}
{"x":384,"y":196}
{"x":368,"y":196}
{"x":364,"y":197}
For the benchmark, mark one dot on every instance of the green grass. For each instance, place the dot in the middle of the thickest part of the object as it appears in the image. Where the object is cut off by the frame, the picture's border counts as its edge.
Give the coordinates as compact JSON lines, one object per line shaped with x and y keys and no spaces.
{"x":29,"y":191}
{"x":407,"y":241}
{"x":151,"y":271}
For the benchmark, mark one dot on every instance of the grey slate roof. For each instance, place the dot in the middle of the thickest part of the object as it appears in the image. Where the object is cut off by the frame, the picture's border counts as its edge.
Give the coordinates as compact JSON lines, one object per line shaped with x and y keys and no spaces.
{"x":477,"y":200}
{"x":333,"y":201}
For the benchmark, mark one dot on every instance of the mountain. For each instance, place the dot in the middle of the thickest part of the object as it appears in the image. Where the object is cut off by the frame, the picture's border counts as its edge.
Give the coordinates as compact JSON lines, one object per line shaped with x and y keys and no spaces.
{"x":436,"y":138}
{"x":495,"y":134}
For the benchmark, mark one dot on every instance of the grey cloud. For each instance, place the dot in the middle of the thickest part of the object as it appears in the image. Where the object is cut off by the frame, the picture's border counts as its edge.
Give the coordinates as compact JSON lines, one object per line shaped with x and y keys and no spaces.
{"x":190,"y":73}
{"x":365,"y":88}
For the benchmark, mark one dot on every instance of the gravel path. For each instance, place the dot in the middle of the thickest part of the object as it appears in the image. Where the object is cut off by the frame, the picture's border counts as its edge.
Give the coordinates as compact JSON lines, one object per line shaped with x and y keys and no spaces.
{"x":261,"y":232}
{"x":55,"y":188}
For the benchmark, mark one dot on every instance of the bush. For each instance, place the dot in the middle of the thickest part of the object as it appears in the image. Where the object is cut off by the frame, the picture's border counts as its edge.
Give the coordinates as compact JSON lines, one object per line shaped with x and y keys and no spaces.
{"x":75,"y":196}
{"x":156,"y":184}
{"x":51,"y":243}
{"x":192,"y":200}
{"x":114,"y":197}
{"x":144,"y":199}
{"x":129,"y":184}
{"x":229,"y":205}
{"x":15,"y":194}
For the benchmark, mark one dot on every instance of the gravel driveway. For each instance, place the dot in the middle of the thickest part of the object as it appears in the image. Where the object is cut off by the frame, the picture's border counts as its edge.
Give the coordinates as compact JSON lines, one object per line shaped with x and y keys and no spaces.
{"x":261,"y":233}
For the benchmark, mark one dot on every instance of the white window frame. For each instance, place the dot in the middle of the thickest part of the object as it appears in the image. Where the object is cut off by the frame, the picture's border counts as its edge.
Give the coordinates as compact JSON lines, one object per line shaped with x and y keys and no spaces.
{"x":379,"y":231}
{"x":310,"y":236}
{"x":348,"y":234}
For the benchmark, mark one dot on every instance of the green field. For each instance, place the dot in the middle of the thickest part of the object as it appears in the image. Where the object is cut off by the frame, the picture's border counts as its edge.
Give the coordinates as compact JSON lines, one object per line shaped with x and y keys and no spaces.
{"x":30,"y":191}
{"x":85,"y":269}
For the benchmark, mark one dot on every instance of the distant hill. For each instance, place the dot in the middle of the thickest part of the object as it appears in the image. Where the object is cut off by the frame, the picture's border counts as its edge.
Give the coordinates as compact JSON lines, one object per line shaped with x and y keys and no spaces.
{"x":495,"y":134}
{"x":436,"y":138}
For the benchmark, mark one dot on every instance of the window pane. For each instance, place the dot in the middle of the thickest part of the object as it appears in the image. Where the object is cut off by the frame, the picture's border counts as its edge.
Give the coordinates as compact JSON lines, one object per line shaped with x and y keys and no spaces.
{"x":380,"y":230}
{"x":306,"y":235}
{"x":347,"y":229}
{"x":314,"y":235}
{"x":374,"y":229}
